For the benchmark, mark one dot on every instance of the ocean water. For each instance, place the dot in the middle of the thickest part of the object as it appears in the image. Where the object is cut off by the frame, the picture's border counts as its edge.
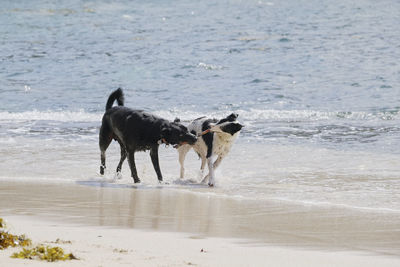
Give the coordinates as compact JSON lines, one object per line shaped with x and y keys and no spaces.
{"x":316,"y":84}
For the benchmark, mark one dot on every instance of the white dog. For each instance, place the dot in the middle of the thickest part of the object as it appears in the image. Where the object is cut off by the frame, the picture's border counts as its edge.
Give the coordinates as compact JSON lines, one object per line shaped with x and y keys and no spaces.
{"x":215,"y":137}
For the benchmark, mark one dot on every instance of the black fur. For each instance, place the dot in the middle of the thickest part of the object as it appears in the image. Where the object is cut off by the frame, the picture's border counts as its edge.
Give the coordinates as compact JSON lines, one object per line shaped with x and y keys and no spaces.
{"x":231,"y":117}
{"x":232,"y":128}
{"x":116,"y":95}
{"x":208,"y":137}
{"x":136,"y":130}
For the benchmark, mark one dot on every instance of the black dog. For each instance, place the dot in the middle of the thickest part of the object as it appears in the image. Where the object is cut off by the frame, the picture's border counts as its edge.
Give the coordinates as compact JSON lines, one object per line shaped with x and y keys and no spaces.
{"x":136,"y":130}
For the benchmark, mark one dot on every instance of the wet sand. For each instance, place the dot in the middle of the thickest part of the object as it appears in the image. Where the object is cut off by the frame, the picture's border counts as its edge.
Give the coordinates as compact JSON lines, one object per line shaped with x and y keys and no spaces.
{"x":103,"y":246}
{"x":165,"y":209}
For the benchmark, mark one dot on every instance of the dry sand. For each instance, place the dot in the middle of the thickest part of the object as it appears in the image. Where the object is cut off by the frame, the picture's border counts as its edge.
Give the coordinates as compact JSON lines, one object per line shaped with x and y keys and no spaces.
{"x":121,"y":225}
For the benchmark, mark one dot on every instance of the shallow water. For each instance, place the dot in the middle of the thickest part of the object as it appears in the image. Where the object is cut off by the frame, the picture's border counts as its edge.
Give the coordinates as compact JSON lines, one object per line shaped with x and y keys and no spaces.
{"x":316,"y":84}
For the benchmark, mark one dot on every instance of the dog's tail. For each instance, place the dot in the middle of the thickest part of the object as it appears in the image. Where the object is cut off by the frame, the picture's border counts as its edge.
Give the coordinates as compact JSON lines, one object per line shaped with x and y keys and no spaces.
{"x":116,"y":95}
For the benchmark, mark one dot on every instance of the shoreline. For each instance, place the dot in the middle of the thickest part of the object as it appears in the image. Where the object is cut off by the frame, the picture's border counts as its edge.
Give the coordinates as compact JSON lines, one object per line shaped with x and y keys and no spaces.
{"x":104,"y":246}
{"x":197,"y":219}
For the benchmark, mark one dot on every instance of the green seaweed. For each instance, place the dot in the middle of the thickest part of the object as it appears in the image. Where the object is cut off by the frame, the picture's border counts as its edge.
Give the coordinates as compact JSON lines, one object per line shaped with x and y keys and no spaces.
{"x":2,"y":223}
{"x":45,"y":253}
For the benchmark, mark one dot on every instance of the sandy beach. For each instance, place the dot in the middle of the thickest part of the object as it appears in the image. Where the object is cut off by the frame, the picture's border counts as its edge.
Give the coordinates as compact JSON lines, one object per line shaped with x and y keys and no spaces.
{"x":107,"y":224}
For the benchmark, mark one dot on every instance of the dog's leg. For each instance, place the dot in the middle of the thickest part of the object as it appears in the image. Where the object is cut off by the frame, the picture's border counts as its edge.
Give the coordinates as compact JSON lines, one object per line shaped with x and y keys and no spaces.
{"x":217,"y":162}
{"x":132,"y":165}
{"x":215,"y":166}
{"x":118,"y":174}
{"x":210,"y":171}
{"x":203,"y":164}
{"x":123,"y":156}
{"x":154,"y":160}
{"x":183,"y":150}
{"x":105,"y":138}
{"x":208,"y":138}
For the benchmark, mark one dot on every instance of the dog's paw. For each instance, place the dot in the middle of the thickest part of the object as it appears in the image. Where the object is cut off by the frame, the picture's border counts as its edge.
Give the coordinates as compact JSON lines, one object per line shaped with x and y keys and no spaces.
{"x":118,"y":176}
{"x":200,"y":175}
{"x":102,"y":168}
{"x":211,"y":182}
{"x":205,"y":179}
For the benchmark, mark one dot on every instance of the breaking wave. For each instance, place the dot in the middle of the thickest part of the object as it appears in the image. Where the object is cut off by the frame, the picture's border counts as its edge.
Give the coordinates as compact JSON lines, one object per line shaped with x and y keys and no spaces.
{"x":260,"y":124}
{"x":186,"y":115}
{"x":62,"y":116}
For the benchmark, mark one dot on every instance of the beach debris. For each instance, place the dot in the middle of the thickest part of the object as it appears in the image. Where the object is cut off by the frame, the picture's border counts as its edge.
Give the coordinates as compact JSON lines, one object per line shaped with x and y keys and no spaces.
{"x":41,"y":252}
{"x":45,"y":253}
{"x":116,"y":250}
{"x":10,"y":240}
{"x":59,"y":241}
{"x":203,"y":250}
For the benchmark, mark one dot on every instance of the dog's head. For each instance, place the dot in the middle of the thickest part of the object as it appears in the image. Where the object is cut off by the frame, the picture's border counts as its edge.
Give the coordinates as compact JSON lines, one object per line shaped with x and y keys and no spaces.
{"x":177,"y":134}
{"x":227,"y":125}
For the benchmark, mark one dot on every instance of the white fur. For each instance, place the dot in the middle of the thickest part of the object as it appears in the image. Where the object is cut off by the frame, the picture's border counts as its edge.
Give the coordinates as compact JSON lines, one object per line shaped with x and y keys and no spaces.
{"x":222,"y":143}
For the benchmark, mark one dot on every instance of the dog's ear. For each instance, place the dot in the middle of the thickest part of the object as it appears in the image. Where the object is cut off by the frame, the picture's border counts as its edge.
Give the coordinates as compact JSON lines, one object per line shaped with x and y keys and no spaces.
{"x":177,"y":120}
{"x":233,"y":117}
